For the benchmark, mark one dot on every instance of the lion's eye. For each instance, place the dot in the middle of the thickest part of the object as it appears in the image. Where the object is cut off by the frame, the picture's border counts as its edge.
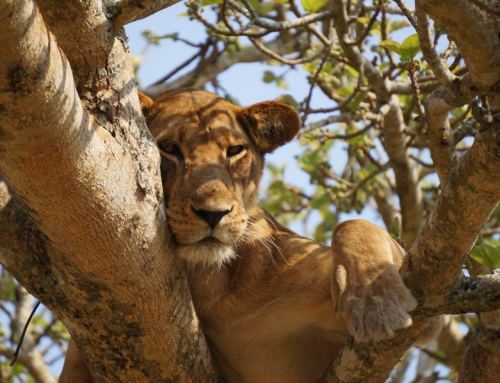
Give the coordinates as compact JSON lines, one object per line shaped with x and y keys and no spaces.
{"x":234,"y":150}
{"x":170,"y":148}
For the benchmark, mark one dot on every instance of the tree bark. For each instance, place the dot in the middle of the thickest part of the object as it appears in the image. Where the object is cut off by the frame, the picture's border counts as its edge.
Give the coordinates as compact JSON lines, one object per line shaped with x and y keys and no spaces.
{"x":481,"y":363}
{"x":95,"y":248}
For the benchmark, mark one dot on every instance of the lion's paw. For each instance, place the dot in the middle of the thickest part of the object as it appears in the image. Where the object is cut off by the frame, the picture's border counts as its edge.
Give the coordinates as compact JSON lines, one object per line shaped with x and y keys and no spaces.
{"x":374,"y":309}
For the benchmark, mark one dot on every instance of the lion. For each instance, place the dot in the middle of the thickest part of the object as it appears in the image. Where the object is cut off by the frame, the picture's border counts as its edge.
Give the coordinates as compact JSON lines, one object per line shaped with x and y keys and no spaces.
{"x":274,"y":306}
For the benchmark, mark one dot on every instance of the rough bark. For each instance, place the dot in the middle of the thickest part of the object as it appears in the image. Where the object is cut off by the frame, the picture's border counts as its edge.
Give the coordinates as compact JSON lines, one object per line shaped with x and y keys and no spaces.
{"x":405,"y":172}
{"x":481,"y":362}
{"x":95,"y":248}
{"x":478,"y":41}
{"x":126,"y":11}
{"x":474,"y":294}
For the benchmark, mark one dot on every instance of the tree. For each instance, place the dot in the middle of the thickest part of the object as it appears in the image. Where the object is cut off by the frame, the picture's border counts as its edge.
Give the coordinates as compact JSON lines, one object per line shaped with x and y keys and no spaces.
{"x":81,"y":226}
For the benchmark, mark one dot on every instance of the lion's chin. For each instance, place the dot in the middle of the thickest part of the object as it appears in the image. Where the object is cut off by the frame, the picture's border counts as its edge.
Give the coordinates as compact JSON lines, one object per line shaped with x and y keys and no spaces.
{"x":208,"y":252}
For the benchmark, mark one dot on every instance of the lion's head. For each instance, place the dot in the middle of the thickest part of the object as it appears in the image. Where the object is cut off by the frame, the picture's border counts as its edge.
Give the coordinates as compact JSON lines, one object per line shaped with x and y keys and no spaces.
{"x":212,"y":159}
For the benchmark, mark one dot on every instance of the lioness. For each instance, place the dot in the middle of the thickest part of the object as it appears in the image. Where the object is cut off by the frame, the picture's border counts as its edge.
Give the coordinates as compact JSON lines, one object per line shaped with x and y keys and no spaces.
{"x":274,"y":306}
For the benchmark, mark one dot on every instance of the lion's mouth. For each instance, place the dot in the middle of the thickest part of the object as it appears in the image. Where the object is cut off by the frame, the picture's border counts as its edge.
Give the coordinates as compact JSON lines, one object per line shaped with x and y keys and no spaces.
{"x":209,"y":251}
{"x":210,"y":241}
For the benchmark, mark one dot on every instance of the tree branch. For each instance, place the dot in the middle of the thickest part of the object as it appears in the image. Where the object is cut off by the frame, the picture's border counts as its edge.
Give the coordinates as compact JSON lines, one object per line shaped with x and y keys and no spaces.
{"x":451,"y":341}
{"x":209,"y":70}
{"x":474,"y":294}
{"x":393,"y":126}
{"x":405,"y":172}
{"x":438,"y":66}
{"x":481,"y":351}
{"x":478,"y":42}
{"x":356,"y":59}
{"x":372,"y":362}
{"x":92,"y":183}
{"x":267,"y":25}
{"x":82,"y":31}
{"x":407,"y":12}
{"x":34,"y":363}
{"x":127,"y":11}
{"x":439,"y":133}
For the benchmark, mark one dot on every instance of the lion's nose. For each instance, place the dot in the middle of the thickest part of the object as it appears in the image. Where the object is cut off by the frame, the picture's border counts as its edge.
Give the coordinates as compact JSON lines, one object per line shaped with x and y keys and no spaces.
{"x":211,"y":217}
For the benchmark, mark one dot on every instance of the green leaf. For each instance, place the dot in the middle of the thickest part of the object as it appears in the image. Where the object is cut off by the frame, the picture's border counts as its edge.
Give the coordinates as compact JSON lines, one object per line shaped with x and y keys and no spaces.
{"x":204,"y":3}
{"x":363,"y":20}
{"x":410,"y":47}
{"x":488,"y":254}
{"x":395,"y":229}
{"x":320,"y":200}
{"x":289,"y":100}
{"x":396,"y":25}
{"x":391,"y":45}
{"x":262,"y":7}
{"x":8,"y":289}
{"x":268,"y":77}
{"x":313,"y":5}
{"x":281,"y":83}
{"x":354,"y":104}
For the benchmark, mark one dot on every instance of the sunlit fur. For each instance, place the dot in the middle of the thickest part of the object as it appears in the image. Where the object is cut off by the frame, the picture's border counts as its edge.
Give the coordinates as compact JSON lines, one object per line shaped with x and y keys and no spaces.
{"x":206,"y":254}
{"x":201,"y":175}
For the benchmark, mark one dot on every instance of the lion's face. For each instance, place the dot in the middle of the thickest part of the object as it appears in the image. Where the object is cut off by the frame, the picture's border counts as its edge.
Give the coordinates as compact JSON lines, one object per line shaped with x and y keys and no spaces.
{"x":212,"y":159}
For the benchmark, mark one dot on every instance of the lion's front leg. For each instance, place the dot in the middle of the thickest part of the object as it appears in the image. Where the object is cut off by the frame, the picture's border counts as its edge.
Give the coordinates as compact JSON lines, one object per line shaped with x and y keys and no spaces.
{"x":366,"y":286}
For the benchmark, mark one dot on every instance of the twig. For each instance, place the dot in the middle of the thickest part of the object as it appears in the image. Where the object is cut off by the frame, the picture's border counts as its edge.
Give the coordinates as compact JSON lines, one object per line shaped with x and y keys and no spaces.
{"x":369,"y":27}
{"x":260,"y":46}
{"x":20,"y":343}
{"x":347,"y":136}
{"x":439,"y":68}
{"x":323,"y":110}
{"x":6,"y":312}
{"x":343,"y":118}
{"x":46,"y":331}
{"x":407,"y":12}
{"x":280,"y":25}
{"x":353,"y":192}
{"x":312,"y":86}
{"x":295,"y":10}
{"x":416,"y":86}
{"x":178,"y":68}
{"x":267,"y":24}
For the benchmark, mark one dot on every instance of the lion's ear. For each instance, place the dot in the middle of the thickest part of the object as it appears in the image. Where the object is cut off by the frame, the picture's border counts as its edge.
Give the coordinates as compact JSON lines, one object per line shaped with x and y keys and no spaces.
{"x":270,"y":124}
{"x":146,"y":104}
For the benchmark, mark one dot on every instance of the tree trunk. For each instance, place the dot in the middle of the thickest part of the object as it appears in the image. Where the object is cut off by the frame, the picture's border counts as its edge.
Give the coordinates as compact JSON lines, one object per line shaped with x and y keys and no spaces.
{"x":94,"y":247}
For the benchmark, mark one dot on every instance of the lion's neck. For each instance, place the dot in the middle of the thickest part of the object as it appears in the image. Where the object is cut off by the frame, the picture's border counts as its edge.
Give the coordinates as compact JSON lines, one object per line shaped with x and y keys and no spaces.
{"x":259,"y":253}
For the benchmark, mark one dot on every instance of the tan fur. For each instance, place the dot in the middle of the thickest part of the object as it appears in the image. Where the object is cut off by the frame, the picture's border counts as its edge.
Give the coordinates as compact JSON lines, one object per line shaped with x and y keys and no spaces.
{"x":275,"y":306}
